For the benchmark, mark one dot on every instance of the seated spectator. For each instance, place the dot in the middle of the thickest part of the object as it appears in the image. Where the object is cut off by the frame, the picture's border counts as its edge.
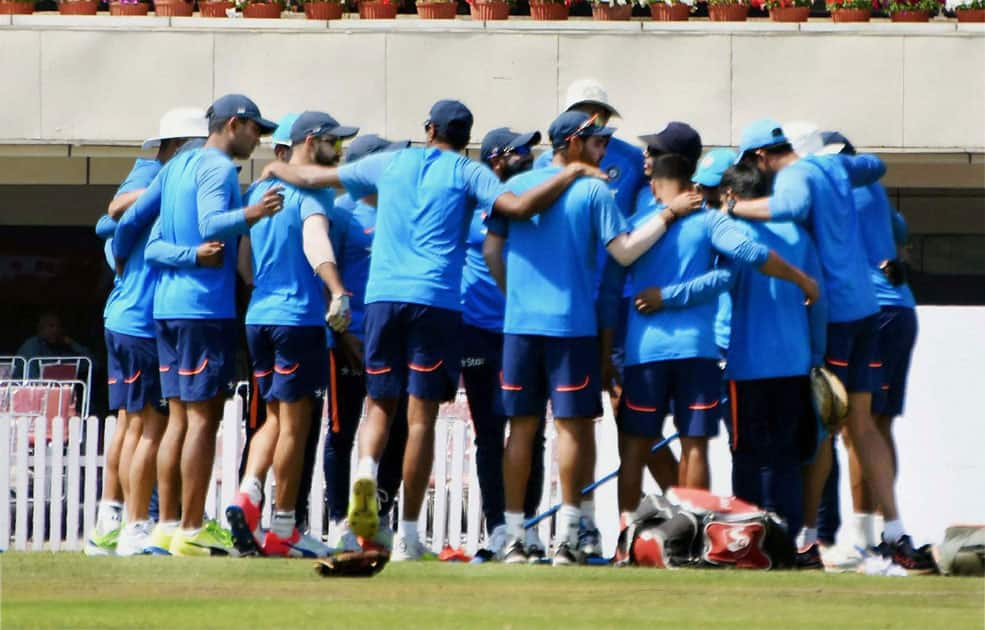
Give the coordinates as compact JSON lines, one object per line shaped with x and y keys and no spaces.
{"x":51,"y":341}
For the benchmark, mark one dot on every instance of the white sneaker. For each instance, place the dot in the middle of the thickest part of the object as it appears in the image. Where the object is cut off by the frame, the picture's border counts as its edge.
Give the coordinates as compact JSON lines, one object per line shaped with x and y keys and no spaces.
{"x":533,"y":546}
{"x":496,"y":543}
{"x":838,"y":559}
{"x":405,"y":550}
{"x":343,"y":539}
{"x":134,"y":539}
{"x":309,"y":547}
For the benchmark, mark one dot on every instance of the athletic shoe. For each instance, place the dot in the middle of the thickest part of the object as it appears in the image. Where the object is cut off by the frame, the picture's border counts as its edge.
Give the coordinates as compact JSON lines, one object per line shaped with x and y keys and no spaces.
{"x":211,"y":540}
{"x":134,"y":539}
{"x":343,"y":539}
{"x":565,"y":555}
{"x":244,"y":524}
{"x":102,"y":544}
{"x":913,"y":560}
{"x":837,"y":559}
{"x":590,"y":544}
{"x":808,"y":558}
{"x":363,"y":517}
{"x":534,"y":548}
{"x":159,"y":543}
{"x":405,"y":550}
{"x":297,"y":546}
{"x":515,"y":552}
{"x":383,"y":538}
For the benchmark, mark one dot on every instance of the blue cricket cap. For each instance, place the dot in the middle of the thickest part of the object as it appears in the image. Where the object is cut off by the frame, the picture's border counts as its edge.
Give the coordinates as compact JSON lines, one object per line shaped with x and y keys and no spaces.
{"x":282,"y":135}
{"x":369,"y":144}
{"x":764,"y":132}
{"x":452,"y":121}
{"x":712,"y":166}
{"x":677,"y":137}
{"x":502,"y":140}
{"x":239,"y":106}
{"x":319,"y":124}
{"x":575,"y":123}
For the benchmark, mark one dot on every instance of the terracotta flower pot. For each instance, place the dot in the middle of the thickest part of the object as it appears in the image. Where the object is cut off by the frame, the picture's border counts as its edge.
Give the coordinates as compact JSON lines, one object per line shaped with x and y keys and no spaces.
{"x":489,"y":10}
{"x":214,"y":9}
{"x":970,"y":15}
{"x":174,"y":8}
{"x":377,"y":11}
{"x":548,"y":11}
{"x":78,"y":7}
{"x":728,"y":12}
{"x":119,"y":8}
{"x":16,"y":8}
{"x":437,"y":10}
{"x":851,"y":15}
{"x":910,"y":16}
{"x":323,"y":10}
{"x":263,"y":10}
{"x":663,"y":12}
{"x":609,"y":12}
{"x":790,"y":14}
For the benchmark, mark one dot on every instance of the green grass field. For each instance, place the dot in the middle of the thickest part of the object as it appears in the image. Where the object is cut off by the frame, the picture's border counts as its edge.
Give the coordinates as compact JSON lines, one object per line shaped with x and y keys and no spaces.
{"x":71,"y":591}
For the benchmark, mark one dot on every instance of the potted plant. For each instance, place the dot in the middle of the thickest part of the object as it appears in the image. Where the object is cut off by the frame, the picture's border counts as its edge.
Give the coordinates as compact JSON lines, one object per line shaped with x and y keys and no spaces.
{"x":912,"y":10}
{"x":174,"y":8}
{"x":489,"y":9}
{"x":16,"y":7}
{"x":671,"y":10}
{"x":261,"y":9}
{"x":788,"y":10}
{"x":323,"y":9}
{"x":78,"y":7}
{"x":967,"y":10}
{"x":851,"y":10}
{"x":214,"y":8}
{"x":128,"y":7}
{"x":437,"y":9}
{"x":378,"y":9}
{"x":550,"y":10}
{"x":611,"y":10}
{"x":728,"y":10}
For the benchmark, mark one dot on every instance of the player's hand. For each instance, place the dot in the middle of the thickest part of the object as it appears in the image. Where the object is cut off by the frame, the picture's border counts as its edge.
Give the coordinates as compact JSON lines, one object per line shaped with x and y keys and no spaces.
{"x":272,"y":201}
{"x":611,"y":381}
{"x":685,"y":203}
{"x":339,"y":314}
{"x":809,"y":286}
{"x":210,"y":254}
{"x":649,"y":300}
{"x":581,"y":169}
{"x":120,"y":264}
{"x":271,"y":170}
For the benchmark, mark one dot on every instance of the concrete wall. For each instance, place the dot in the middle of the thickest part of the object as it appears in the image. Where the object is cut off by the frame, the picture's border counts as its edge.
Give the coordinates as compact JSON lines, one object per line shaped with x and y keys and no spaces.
{"x":103,"y":80}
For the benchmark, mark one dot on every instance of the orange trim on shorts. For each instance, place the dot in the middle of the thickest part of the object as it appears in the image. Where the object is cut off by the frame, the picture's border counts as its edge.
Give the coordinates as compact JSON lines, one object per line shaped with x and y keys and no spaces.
{"x":112,"y":381}
{"x":875,"y":364}
{"x":884,"y":388}
{"x":703,"y":406}
{"x":288,"y":370}
{"x":733,"y":398}
{"x":376,"y":372}
{"x":574,"y":388}
{"x":639,"y":408}
{"x":132,"y":379}
{"x":261,"y":374}
{"x":164,"y":368}
{"x":426,"y":368}
{"x":508,"y":387}
{"x":334,"y":401}
{"x":837,"y":362}
{"x":196,"y":371}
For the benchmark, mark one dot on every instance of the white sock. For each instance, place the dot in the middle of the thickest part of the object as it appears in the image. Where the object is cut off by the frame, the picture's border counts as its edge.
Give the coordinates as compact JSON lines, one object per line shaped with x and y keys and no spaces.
{"x":878,"y":525}
{"x":168,"y":527}
{"x":109,"y":515}
{"x":862,"y":529}
{"x":893,"y":531}
{"x":408,"y":529}
{"x":625,"y":518}
{"x":190,"y":533}
{"x":283,"y":524}
{"x":806,"y":537}
{"x":588,"y":513}
{"x":568,"y":520}
{"x":253,"y":488}
{"x":367,"y":467}
{"x":514,"y":524}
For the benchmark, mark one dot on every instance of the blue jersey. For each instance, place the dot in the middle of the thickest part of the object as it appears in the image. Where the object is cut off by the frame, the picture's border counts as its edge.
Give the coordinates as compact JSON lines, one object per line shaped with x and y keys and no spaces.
{"x":425,"y":202}
{"x":551,"y":258}
{"x":200,"y":201}
{"x":876,"y":218}
{"x":723,"y":321}
{"x":483,"y":303}
{"x":352,"y":237}
{"x":130,"y":305}
{"x":685,"y":327}
{"x":286,"y":290}
{"x":817,"y":192}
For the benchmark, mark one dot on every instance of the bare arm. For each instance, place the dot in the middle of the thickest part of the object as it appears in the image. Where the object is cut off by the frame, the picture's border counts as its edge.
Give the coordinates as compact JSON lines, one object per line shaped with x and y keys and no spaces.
{"x":540,"y":197}
{"x":753,"y":209}
{"x":305,"y":176}
{"x":244,"y":261}
{"x":121,"y":203}
{"x":492,"y":251}
{"x":318,"y":250}
{"x":626,"y":248}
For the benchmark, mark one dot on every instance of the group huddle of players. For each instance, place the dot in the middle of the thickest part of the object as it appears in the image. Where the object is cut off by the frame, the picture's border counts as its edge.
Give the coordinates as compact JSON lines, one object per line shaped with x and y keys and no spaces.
{"x":597,"y":266}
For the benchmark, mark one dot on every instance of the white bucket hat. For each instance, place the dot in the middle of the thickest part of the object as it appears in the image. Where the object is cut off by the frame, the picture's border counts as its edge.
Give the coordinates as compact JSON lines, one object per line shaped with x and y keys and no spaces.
{"x":181,"y":122}
{"x":588,"y":91}
{"x":805,"y":138}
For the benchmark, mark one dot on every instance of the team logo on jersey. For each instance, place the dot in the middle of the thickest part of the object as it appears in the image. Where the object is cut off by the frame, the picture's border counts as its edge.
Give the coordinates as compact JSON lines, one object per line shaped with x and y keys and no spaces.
{"x":613,"y":172}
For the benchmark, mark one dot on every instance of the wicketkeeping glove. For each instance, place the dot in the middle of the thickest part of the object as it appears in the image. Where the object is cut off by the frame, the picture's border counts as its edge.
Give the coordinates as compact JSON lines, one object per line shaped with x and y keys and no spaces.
{"x":353,"y":564}
{"x":339,"y":314}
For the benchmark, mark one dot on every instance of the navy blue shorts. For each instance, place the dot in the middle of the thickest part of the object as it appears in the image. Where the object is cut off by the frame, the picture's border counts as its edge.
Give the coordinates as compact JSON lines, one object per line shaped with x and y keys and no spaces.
{"x":289,"y":362}
{"x":132,"y":373}
{"x":690,"y":387}
{"x":772,"y":420}
{"x":851,"y":353}
{"x":897,"y":336}
{"x":564,"y":370}
{"x":412,"y":348}
{"x":197,"y":357}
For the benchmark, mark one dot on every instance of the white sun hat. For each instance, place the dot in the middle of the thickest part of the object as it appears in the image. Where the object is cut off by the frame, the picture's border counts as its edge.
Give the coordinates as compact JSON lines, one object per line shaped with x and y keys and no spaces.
{"x":588,"y":91}
{"x":805,"y":138}
{"x":181,"y":122}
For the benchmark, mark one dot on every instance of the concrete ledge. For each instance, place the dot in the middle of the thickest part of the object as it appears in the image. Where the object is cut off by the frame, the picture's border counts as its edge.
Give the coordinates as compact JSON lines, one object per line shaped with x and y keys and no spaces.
{"x":565,"y":26}
{"x":243,"y":24}
{"x":880,"y":27}
{"x":720,"y":28}
{"x":409,"y":24}
{"x":91,"y":22}
{"x":5,"y":20}
{"x":971,"y":28}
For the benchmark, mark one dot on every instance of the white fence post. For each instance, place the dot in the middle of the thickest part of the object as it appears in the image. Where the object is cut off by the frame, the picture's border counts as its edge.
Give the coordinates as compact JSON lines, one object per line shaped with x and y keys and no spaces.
{"x":20,"y":524}
{"x":57,"y":481}
{"x":316,"y":498}
{"x":72,"y":491}
{"x":440,"y":519}
{"x":39,"y":491}
{"x":457,"y":486}
{"x":474,"y":525}
{"x":89,"y":497}
{"x":5,"y":483}
{"x":231,"y":447}
{"x":547,"y":495}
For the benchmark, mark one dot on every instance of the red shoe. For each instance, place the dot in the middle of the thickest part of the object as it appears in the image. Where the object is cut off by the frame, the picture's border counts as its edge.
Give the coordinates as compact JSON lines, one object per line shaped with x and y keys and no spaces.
{"x":297,"y":546}
{"x":244,"y":523}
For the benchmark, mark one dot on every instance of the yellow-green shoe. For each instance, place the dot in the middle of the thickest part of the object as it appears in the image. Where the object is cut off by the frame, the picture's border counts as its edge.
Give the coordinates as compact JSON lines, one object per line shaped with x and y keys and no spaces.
{"x":102,"y":544}
{"x":160,"y":540}
{"x":211,"y":540}
{"x":363,"y":514}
